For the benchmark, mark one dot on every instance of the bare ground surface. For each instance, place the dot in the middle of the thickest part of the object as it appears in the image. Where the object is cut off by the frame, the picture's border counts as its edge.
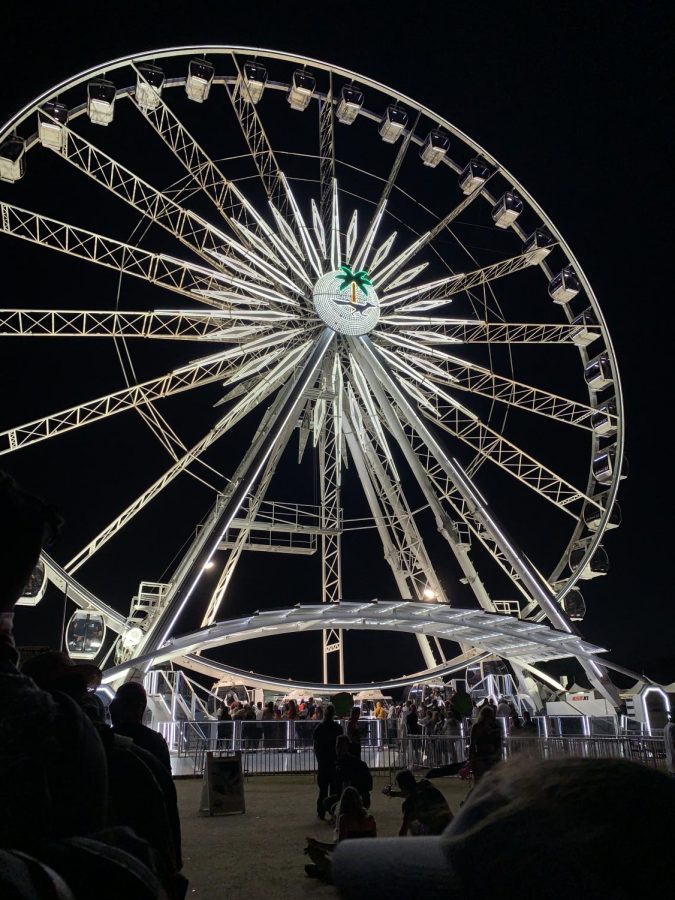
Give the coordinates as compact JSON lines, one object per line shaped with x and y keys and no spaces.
{"x":259,"y":854}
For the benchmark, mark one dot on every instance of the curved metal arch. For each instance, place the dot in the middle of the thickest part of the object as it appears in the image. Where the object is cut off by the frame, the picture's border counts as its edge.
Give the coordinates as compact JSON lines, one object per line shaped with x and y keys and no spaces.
{"x":492,"y":633}
{"x":217,"y":670}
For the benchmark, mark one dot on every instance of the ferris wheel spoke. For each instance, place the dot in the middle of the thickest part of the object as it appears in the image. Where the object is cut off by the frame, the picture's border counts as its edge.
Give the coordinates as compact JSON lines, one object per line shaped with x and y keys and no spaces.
{"x":223,"y":193}
{"x":447,"y":493}
{"x":401,"y":542}
{"x":280,"y":197}
{"x":435,"y":485}
{"x":327,"y":158}
{"x":230,"y":327}
{"x":394,"y":267}
{"x":361,"y":257}
{"x":437,"y":294}
{"x":189,"y":377}
{"x":471,"y":331}
{"x":212,"y":244}
{"x":377,"y":455}
{"x":193,"y":281}
{"x":256,"y":395}
{"x":440,"y":367}
{"x":492,"y":446}
{"x":187,"y":227}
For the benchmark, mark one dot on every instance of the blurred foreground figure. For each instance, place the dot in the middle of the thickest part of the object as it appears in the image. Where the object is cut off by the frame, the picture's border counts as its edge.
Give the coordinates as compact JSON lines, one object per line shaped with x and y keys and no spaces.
{"x":53,"y":768}
{"x":573,"y":828}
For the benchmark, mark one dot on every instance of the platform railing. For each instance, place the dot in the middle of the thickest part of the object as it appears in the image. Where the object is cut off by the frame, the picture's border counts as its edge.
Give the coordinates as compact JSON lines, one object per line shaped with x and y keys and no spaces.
{"x":286,"y":747}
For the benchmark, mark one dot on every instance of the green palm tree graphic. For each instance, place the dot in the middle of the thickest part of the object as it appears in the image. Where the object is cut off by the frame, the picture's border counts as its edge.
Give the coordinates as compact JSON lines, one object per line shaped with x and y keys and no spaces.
{"x":355,"y":279}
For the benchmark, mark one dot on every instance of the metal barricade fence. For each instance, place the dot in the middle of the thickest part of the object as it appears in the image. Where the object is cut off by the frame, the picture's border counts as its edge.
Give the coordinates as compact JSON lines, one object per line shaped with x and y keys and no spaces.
{"x":285,"y":747}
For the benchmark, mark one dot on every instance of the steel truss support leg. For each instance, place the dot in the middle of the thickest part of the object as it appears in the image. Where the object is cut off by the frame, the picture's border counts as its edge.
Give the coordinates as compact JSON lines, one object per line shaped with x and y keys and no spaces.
{"x":255,"y":500}
{"x":392,"y":554}
{"x":379,"y":376}
{"x":330,"y":474}
{"x":190,"y":568}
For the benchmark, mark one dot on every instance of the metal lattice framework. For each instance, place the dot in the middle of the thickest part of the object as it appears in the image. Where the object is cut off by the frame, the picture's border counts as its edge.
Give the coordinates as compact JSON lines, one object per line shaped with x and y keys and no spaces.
{"x":460,"y":410}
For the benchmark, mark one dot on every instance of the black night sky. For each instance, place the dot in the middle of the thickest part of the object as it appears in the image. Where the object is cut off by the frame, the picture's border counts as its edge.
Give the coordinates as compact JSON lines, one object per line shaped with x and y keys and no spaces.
{"x":573,"y":98}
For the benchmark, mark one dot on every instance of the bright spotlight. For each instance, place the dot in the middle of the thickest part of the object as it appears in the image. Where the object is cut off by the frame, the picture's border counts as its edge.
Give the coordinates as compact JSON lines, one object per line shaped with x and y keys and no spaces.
{"x":209,"y":565}
{"x":428,"y":594}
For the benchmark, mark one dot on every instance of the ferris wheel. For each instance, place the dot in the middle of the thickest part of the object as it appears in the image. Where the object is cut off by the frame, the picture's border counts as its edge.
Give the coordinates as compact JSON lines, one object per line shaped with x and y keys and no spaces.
{"x":349,"y":269}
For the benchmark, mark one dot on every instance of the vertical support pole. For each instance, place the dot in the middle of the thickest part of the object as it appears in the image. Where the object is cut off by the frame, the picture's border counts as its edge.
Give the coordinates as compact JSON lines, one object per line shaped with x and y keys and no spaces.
{"x":331,"y":515}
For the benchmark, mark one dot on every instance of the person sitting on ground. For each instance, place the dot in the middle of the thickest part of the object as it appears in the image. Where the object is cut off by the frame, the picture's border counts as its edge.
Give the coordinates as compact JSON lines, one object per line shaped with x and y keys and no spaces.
{"x":425,"y":810}
{"x":352,"y":821}
{"x":485,"y":746}
{"x":587,"y":828}
{"x":126,"y":714}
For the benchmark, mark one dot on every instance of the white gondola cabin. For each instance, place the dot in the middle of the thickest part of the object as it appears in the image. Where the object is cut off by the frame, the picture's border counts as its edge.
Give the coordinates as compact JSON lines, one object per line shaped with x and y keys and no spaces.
{"x":198,"y":82}
{"x":564,"y":286}
{"x":12,"y":159}
{"x":435,"y":148}
{"x":539,"y":244}
{"x":392,"y":124}
{"x":35,"y":588}
{"x":593,"y":514}
{"x":603,"y":420}
{"x":51,"y":119}
{"x":101,"y":101}
{"x":585,"y":328}
{"x":149,"y":84}
{"x":473,"y":176}
{"x":598,"y":372}
{"x":596,"y":566}
{"x":351,"y":101}
{"x":301,"y":90}
{"x":574,"y":604}
{"x":604,"y":465}
{"x":507,"y":209}
{"x":85,"y":634}
{"x":251,"y":83}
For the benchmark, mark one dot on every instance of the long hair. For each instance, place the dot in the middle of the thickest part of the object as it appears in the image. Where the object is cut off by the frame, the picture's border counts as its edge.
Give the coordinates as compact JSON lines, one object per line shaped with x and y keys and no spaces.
{"x":351,"y":804}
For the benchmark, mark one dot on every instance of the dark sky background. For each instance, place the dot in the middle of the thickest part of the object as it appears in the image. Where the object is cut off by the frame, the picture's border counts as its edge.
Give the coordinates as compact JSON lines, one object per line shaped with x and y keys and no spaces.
{"x":573,"y":98}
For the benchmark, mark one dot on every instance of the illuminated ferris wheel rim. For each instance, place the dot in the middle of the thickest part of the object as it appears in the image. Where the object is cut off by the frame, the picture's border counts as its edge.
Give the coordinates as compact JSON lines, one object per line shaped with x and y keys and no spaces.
{"x":154,"y":56}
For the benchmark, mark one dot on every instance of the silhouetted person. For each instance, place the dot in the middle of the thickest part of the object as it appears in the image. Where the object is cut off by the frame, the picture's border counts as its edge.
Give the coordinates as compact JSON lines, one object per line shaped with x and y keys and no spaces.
{"x":53,"y":767}
{"x":126,"y":714}
{"x":324,"y":737}
{"x":352,"y":771}
{"x":486,"y":743}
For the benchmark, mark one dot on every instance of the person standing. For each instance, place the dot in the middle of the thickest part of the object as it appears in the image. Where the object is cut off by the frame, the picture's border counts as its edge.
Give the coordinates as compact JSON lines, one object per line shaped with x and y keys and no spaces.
{"x":353,"y":732}
{"x":486,"y":743}
{"x":669,"y":738}
{"x":324,"y":737}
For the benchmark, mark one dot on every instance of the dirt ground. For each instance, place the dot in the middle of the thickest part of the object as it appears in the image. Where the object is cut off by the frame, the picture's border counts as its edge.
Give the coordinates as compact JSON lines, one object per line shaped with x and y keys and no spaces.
{"x":259,"y":854}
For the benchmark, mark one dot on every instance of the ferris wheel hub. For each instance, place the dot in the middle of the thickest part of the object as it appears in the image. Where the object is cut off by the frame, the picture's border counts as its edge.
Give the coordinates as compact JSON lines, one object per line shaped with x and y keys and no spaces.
{"x":346,"y":301}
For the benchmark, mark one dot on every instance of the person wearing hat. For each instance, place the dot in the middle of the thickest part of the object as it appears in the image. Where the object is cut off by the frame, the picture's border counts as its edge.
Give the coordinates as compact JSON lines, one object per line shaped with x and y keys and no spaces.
{"x":591,"y":828}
